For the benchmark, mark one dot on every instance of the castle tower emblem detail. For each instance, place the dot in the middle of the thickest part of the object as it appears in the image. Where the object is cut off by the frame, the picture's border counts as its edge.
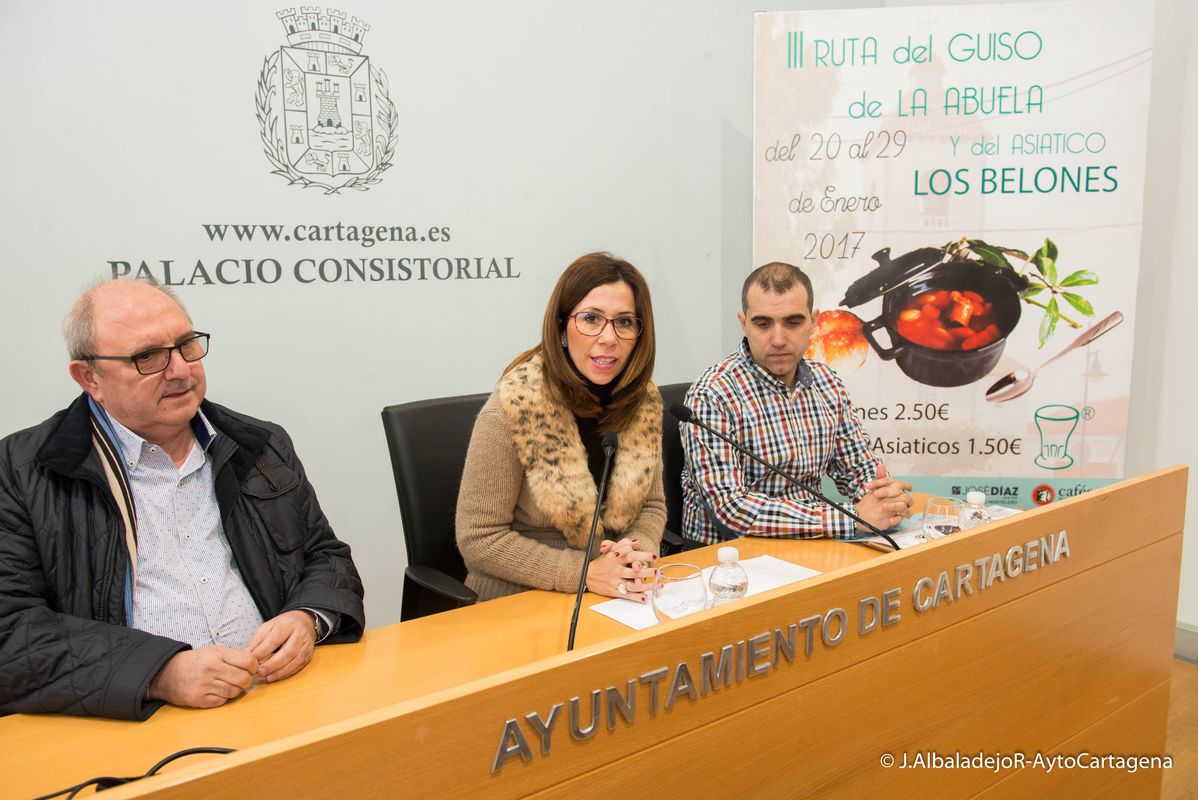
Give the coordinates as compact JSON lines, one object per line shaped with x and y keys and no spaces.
{"x":325,"y":115}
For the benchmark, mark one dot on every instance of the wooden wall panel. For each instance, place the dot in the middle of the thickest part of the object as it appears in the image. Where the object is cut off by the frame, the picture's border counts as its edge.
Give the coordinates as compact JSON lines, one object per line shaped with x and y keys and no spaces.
{"x":1132,"y":729}
{"x":1015,"y":679}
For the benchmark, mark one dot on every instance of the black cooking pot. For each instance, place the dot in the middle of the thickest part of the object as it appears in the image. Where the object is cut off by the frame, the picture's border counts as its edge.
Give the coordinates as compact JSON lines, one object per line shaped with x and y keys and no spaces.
{"x":948,"y":367}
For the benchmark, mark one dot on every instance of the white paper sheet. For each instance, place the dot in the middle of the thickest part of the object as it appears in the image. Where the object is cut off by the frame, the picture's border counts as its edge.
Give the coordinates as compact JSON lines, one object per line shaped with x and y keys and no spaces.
{"x":909,"y":532}
{"x":765,"y":573}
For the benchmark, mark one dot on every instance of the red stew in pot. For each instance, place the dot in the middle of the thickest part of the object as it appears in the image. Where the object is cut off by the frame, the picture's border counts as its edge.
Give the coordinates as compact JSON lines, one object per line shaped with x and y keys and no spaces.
{"x":948,"y":320}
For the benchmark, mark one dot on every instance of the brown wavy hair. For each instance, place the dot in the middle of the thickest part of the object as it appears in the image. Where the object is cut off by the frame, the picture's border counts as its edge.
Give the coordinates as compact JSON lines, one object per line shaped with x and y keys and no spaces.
{"x":563,"y":383}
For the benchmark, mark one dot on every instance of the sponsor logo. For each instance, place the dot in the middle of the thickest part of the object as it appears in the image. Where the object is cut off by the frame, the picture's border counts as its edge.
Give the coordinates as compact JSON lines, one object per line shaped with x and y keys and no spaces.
{"x":1043,"y":494}
{"x":325,"y":117}
{"x":991,"y":491}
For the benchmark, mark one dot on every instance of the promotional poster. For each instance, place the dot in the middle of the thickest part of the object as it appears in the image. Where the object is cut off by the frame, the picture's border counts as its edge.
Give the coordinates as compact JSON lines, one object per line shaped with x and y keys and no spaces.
{"x":964,"y":186}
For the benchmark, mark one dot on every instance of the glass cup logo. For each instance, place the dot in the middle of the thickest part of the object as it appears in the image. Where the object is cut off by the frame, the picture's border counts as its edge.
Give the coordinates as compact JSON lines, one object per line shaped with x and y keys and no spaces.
{"x":325,"y":116}
{"x":1056,"y":424}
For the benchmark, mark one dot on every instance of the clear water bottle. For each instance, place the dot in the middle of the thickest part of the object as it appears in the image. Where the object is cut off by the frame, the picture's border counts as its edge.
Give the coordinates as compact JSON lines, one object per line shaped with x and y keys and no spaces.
{"x":729,"y":581}
{"x":974,"y":513}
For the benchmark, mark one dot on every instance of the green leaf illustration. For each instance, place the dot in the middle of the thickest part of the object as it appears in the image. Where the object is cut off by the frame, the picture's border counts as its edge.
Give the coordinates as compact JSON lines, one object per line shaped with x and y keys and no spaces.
{"x":1049,"y":323}
{"x":1079,"y":302}
{"x":1037,"y":260}
{"x":1049,"y":269}
{"x":990,"y":254}
{"x":1080,"y":278}
{"x":1032,"y":291}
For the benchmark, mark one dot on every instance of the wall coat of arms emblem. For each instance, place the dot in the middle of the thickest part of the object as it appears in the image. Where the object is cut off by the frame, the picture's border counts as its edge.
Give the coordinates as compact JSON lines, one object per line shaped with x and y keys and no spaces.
{"x":325,"y":115}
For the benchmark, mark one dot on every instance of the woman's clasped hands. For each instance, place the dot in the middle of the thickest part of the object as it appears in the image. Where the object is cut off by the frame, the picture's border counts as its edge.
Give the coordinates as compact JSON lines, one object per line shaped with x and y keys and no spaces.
{"x":621,"y":570}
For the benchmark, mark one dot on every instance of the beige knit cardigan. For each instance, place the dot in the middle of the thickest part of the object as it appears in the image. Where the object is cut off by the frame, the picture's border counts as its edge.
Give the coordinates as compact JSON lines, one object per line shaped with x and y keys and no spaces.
{"x":527,"y":496}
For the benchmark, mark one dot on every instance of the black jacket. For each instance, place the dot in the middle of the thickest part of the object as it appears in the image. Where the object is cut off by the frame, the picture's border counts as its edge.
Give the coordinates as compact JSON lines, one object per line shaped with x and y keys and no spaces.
{"x":64,"y":644}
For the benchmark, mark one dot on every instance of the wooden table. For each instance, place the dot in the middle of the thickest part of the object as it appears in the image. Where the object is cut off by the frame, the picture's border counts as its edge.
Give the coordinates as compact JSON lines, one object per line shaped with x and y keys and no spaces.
{"x":1074,"y":655}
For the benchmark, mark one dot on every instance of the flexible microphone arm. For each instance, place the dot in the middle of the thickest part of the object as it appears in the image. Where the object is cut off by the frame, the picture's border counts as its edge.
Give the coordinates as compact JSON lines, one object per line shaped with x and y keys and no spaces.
{"x":610,"y":440}
{"x":684,"y":414}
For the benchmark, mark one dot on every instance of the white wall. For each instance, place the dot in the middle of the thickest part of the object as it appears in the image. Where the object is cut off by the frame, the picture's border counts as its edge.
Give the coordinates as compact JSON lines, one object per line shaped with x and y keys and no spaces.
{"x":1164,"y":388}
{"x":536,"y":130}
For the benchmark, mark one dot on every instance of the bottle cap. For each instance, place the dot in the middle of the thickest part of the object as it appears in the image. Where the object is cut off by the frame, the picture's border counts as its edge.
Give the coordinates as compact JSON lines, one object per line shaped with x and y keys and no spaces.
{"x":727,"y":555}
{"x":976,"y":498}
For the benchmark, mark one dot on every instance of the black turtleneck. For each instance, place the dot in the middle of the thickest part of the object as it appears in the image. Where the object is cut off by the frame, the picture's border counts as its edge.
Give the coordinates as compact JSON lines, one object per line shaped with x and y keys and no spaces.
{"x":588,"y":429}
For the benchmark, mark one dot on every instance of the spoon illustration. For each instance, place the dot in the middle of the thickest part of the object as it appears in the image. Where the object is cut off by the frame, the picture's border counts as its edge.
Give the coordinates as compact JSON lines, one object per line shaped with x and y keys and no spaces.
{"x":1016,"y":383}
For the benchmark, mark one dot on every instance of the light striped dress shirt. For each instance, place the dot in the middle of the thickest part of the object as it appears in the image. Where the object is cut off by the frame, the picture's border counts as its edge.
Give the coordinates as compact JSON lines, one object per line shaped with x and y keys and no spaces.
{"x":808,"y":432}
{"x":188,"y":587}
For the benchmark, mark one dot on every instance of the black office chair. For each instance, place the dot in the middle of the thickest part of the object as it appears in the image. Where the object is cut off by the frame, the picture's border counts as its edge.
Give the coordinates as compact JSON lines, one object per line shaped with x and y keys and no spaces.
{"x":671,"y":466}
{"x":428,"y":441}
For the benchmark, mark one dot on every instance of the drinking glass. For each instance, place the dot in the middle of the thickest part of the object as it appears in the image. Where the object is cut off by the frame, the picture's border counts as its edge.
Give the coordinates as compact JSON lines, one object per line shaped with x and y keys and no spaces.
{"x":678,"y":590}
{"x":941,"y":517}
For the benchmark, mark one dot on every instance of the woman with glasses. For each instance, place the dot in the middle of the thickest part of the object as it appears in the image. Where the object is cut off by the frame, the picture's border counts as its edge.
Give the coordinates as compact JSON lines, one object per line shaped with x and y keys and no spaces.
{"x":530,"y":482}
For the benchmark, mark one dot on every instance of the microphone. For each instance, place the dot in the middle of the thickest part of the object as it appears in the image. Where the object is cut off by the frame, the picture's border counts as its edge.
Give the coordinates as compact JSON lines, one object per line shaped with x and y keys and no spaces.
{"x":610,"y":440}
{"x":684,"y":414}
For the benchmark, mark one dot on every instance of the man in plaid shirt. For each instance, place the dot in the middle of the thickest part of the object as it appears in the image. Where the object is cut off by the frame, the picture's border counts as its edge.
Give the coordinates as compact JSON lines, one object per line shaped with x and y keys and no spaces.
{"x":793,"y":413}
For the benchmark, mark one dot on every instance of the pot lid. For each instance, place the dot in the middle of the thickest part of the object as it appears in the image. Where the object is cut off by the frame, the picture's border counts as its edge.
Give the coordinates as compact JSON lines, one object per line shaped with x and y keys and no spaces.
{"x":891,"y":273}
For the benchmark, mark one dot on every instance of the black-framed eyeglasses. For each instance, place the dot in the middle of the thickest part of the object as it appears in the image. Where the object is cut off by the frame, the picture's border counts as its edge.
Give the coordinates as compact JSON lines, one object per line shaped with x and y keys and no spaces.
{"x":590,"y":323}
{"x":156,"y":359}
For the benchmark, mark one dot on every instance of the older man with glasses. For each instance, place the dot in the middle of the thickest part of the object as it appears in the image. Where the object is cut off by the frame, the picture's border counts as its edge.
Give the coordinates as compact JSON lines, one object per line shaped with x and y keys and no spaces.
{"x":154,"y":546}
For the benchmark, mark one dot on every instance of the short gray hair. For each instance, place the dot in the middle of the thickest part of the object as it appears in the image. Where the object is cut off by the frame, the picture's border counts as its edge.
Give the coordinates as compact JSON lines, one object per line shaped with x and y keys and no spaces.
{"x":79,"y":327}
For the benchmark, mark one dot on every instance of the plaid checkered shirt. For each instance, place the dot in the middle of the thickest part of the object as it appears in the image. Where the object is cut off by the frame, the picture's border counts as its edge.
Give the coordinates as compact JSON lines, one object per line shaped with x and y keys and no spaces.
{"x":807,"y":432}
